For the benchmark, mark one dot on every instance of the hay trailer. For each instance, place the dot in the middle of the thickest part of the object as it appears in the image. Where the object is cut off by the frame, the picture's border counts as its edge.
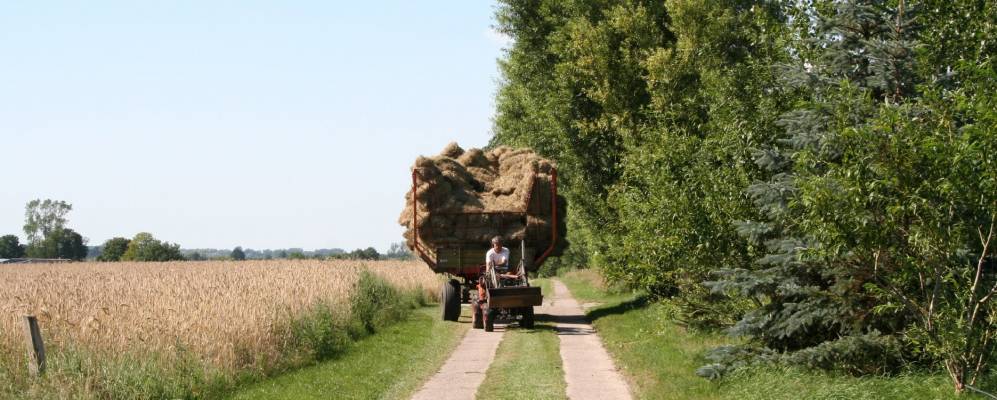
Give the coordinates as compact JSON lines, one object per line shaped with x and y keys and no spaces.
{"x":492,"y":296}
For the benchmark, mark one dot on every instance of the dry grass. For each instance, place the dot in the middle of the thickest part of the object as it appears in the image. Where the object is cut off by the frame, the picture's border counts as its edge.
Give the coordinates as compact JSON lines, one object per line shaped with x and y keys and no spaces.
{"x":219,"y":311}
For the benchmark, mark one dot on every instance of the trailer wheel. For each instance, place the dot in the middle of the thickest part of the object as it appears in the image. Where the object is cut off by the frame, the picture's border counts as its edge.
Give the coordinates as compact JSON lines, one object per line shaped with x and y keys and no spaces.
{"x":477,"y":322}
{"x":490,"y":319}
{"x":527,"y":321}
{"x":450,"y":300}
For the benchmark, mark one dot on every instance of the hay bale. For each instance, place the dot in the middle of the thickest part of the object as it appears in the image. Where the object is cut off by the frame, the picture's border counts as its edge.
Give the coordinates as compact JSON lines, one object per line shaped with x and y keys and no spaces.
{"x":458,"y":181}
{"x":452,"y":150}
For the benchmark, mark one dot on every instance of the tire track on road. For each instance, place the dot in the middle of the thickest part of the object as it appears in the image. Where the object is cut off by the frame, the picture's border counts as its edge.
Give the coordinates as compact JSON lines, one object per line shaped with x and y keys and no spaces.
{"x":464,"y":371}
{"x":589,"y":372}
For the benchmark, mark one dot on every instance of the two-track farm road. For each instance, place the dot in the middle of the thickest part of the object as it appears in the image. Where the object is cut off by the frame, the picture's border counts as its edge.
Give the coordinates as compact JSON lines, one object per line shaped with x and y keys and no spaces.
{"x":464,"y":371}
{"x":589,"y":372}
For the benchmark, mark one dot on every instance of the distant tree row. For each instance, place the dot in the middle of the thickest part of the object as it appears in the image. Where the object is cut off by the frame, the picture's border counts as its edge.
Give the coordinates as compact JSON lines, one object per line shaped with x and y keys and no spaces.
{"x":397,"y":251}
{"x":265,"y":254}
{"x":48,"y":237}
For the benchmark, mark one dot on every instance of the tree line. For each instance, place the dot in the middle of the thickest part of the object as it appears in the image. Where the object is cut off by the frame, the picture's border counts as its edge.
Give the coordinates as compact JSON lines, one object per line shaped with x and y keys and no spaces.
{"x":397,"y":251}
{"x":816,"y":177}
{"x":49,"y":238}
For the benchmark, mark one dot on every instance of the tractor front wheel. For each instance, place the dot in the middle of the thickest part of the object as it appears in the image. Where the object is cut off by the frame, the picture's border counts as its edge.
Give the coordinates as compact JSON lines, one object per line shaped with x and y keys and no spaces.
{"x":450,"y":300}
{"x":527,"y":321}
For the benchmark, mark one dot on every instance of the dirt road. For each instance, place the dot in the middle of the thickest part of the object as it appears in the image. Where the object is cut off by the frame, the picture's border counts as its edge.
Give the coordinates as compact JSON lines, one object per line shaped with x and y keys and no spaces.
{"x":464,"y":371}
{"x":589,"y":372}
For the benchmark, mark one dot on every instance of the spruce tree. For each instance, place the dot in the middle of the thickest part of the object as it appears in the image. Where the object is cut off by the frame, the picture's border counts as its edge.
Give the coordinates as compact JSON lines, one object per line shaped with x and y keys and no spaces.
{"x":813,"y":306}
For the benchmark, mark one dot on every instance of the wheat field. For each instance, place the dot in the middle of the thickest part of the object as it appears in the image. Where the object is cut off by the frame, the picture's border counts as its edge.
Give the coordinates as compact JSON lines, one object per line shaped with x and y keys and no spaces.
{"x":218,"y":310}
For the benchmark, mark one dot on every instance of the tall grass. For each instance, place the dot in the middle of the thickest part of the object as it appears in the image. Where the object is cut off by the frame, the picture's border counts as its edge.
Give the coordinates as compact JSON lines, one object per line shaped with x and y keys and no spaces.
{"x":193,"y":329}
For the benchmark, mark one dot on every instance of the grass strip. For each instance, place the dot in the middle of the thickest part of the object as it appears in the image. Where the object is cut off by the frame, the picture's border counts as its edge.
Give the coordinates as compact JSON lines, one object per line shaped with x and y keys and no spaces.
{"x":390,"y":364}
{"x":527,"y":364}
{"x":659,"y":357}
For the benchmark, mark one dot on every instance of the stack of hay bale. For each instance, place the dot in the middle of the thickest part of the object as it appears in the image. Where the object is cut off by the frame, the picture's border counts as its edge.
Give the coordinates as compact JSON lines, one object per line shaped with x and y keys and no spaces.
{"x":471,"y":196}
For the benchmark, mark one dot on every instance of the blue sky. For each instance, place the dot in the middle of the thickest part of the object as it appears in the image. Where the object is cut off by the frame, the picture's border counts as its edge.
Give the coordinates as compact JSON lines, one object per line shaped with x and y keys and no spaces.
{"x":225,"y":123}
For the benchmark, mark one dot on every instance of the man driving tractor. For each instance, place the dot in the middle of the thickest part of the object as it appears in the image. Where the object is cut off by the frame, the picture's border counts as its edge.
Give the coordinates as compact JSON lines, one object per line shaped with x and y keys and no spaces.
{"x":497,"y":257}
{"x":497,"y":266}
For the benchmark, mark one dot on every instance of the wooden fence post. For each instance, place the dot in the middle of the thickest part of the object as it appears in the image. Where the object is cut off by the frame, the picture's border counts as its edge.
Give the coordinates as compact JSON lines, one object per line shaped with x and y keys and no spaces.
{"x":36,"y":349}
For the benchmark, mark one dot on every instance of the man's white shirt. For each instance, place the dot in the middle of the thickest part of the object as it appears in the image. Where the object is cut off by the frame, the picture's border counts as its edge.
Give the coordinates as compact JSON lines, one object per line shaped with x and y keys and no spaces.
{"x":493,"y":258}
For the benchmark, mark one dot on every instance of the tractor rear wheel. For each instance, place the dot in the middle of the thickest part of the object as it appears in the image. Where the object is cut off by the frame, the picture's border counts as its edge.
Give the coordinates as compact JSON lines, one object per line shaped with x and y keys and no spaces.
{"x":527,"y":321}
{"x":490,"y":319}
{"x":450,"y":300}
{"x":477,"y":322}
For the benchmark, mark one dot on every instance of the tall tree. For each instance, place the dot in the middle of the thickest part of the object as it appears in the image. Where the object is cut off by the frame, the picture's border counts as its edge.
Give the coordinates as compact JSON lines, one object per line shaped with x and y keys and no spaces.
{"x":651,"y":110}
{"x":685,"y":170}
{"x":809,"y":303}
{"x":42,"y":217}
{"x":877,"y":230}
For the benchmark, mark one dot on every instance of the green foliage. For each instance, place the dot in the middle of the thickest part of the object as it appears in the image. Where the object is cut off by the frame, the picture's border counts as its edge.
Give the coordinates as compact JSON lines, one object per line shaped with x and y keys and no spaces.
{"x":11,"y":247}
{"x":651,"y":110}
{"x":295,"y":255}
{"x":369,"y":253}
{"x":113,"y":249}
{"x":375,"y":303}
{"x":322,"y":333}
{"x":42,"y":218}
{"x":145,"y":247}
{"x":825,"y":165}
{"x":876,"y":217}
{"x":61,"y":243}
{"x":238,"y":254}
{"x":44,"y":225}
{"x":686,"y":169}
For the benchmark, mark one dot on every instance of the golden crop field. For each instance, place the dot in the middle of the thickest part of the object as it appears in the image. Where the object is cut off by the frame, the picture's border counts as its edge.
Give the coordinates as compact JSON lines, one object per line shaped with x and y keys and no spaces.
{"x":217,"y":309}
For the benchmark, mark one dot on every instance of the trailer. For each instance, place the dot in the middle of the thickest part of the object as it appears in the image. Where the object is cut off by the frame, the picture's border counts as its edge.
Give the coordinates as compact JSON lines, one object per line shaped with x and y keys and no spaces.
{"x":493,"y":295}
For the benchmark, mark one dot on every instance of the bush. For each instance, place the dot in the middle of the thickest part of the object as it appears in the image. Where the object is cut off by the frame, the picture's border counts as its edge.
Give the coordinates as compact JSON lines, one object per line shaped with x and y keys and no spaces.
{"x":375,"y":303}
{"x":145,"y":247}
{"x":321,"y":334}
